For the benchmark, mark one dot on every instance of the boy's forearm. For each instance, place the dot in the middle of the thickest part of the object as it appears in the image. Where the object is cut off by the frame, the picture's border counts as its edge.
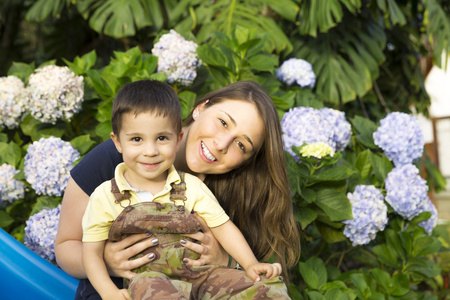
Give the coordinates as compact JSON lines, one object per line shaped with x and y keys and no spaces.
{"x":232,"y":240}
{"x":96,"y":269}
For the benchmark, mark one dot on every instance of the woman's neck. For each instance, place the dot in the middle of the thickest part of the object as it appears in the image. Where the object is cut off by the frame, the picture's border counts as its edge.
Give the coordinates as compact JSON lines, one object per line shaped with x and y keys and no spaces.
{"x":180,"y":161}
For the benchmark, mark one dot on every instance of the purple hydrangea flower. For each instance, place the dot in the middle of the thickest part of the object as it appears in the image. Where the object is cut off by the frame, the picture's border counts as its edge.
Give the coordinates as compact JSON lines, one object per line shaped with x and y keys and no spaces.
{"x":55,"y":93}
{"x":432,"y":221}
{"x":406,"y":191}
{"x":10,"y":189}
{"x":177,"y":58}
{"x":342,"y":128}
{"x":297,"y":70}
{"x":47,"y":165}
{"x":13,"y":101}
{"x":40,"y":232}
{"x":302,"y":125}
{"x":306,"y":125}
{"x":369,"y":215}
{"x":400,"y":137}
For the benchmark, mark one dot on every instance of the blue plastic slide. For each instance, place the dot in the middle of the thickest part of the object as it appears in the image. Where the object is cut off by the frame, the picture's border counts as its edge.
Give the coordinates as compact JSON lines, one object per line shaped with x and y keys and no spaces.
{"x":26,"y":275}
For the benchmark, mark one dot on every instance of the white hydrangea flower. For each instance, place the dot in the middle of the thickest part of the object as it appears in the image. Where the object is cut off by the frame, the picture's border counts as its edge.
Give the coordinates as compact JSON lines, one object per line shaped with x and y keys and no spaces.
{"x":55,"y":93}
{"x":13,"y":101}
{"x":297,"y":70}
{"x":10,"y":189}
{"x":40,"y":232}
{"x":177,"y":58}
{"x":47,"y":165}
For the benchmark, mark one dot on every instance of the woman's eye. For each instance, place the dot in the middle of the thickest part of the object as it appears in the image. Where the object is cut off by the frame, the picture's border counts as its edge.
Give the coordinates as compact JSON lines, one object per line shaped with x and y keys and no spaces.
{"x":224,"y":124}
{"x":241,"y":146}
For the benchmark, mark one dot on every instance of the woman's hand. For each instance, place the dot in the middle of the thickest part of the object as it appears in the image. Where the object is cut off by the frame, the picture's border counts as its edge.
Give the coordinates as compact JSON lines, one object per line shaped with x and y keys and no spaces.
{"x":117,"y":254}
{"x":211,"y":252}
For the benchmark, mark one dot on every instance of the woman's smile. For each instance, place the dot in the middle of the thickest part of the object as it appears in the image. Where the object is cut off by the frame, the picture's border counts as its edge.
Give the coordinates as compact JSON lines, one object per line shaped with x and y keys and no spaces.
{"x":206,"y":154}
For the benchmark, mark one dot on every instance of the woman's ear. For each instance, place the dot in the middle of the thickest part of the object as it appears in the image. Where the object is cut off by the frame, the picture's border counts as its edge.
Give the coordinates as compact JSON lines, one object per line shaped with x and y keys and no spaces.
{"x":198,"y":109}
{"x":116,"y":141}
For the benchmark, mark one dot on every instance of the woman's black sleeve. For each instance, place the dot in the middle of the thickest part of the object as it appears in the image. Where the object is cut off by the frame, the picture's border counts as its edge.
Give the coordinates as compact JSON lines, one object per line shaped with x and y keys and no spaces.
{"x":96,"y":167}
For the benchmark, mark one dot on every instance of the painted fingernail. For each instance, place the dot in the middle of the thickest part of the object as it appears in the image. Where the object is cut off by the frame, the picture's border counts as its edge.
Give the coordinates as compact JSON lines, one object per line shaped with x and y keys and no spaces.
{"x":147,"y":233}
{"x":151,"y":256}
{"x":183,"y":242}
{"x":185,"y":261}
{"x":192,"y":212}
{"x":155,"y":241}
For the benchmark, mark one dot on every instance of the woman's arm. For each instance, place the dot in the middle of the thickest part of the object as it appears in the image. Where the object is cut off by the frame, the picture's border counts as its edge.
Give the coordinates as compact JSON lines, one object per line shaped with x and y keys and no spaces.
{"x":68,"y":239}
{"x":211,"y":252}
{"x":68,"y":245}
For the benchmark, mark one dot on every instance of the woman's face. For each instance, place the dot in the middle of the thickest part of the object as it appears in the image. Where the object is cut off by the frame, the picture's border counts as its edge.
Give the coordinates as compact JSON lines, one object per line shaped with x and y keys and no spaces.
{"x":223,"y":136}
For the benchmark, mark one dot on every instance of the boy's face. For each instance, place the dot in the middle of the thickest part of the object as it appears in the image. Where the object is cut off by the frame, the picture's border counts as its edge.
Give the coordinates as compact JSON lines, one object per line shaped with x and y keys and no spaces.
{"x":149,"y":144}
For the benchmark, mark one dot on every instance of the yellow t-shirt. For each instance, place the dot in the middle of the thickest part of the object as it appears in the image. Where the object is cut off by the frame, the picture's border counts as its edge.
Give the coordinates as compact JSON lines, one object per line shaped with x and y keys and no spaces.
{"x":102,"y":210}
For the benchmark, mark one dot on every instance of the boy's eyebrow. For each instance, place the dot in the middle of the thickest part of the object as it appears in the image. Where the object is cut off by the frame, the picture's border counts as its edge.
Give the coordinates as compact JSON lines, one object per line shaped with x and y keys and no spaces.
{"x":234,"y":123}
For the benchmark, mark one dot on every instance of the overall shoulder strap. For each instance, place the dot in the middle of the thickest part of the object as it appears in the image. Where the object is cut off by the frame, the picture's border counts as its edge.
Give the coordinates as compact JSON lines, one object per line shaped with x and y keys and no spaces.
{"x":117,"y":194}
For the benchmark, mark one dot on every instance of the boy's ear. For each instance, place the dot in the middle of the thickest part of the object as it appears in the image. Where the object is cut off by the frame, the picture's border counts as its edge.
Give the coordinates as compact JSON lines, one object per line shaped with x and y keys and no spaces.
{"x":180,"y":137}
{"x":116,"y":141}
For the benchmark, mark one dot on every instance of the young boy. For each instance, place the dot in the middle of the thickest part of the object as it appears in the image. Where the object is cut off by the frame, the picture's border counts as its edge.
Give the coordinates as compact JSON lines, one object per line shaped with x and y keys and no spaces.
{"x":146,"y":122}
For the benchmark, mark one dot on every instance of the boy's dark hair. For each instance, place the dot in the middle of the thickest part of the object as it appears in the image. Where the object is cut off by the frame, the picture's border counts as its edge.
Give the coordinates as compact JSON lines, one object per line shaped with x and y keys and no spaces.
{"x":146,"y":96}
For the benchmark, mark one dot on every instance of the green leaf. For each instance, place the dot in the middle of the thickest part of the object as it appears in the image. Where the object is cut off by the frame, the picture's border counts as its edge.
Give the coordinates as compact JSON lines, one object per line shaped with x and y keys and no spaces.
{"x":401,"y":284}
{"x":386,"y":255}
{"x":318,"y":267}
{"x":381,"y":167}
{"x":336,"y":173}
{"x":330,"y":234}
{"x":5,"y":219}
{"x":187,"y":99}
{"x":314,"y":295}
{"x":21,"y":70}
{"x":335,"y":294}
{"x":43,"y":9}
{"x":10,"y":153}
{"x":82,"y":143}
{"x":212,"y":56}
{"x":365,"y":128}
{"x":263,"y":62}
{"x":384,"y":279}
{"x":363,"y":163}
{"x":336,"y":205}
{"x":344,"y":66}
{"x":305,"y":216}
{"x":80,"y":65}
{"x":425,"y":245}
{"x":361,"y":285}
{"x":309,"y":275}
{"x":308,"y":195}
{"x":45,"y":202}
{"x":394,"y":242}
{"x":103,"y":130}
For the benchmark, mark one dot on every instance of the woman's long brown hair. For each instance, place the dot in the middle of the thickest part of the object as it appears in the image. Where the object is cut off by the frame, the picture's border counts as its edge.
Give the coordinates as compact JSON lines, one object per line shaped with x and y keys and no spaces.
{"x":256,"y":195}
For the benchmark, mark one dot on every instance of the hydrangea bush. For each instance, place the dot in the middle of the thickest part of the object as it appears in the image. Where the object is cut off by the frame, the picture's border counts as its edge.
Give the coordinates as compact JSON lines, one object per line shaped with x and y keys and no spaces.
{"x":56,"y":93}
{"x":400,"y":137}
{"x":10,"y":189}
{"x":13,"y":101}
{"x":177,"y":58}
{"x":47,"y":165}
{"x":369,"y":215}
{"x":40,"y":232}
{"x":297,"y":70}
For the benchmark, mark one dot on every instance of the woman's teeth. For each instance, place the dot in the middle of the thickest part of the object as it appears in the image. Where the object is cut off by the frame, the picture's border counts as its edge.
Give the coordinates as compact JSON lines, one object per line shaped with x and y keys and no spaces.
{"x":207,"y":153}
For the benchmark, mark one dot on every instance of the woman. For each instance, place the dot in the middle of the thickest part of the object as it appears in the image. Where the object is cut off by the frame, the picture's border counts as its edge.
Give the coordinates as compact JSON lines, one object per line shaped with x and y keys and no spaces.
{"x":232,"y":141}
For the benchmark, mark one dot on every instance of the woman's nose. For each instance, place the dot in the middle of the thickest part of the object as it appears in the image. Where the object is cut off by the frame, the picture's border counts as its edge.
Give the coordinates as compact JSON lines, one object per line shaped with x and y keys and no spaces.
{"x":223,"y":142}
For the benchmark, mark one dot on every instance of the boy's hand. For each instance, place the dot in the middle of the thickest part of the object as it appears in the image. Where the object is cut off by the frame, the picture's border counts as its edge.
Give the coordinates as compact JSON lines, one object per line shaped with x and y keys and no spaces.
{"x":270,"y":270}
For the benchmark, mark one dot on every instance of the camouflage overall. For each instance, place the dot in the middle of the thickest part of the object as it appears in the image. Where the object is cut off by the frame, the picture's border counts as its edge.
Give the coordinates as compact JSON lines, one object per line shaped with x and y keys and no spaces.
{"x":167,"y":277}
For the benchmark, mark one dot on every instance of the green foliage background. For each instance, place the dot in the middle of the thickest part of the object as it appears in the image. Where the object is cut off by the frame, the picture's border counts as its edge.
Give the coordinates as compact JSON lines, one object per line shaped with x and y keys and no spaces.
{"x":368,"y":58}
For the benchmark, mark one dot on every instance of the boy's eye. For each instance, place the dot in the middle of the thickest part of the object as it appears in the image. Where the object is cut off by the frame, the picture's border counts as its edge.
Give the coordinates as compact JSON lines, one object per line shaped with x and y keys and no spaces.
{"x":136,"y":139}
{"x":162,"y":138}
